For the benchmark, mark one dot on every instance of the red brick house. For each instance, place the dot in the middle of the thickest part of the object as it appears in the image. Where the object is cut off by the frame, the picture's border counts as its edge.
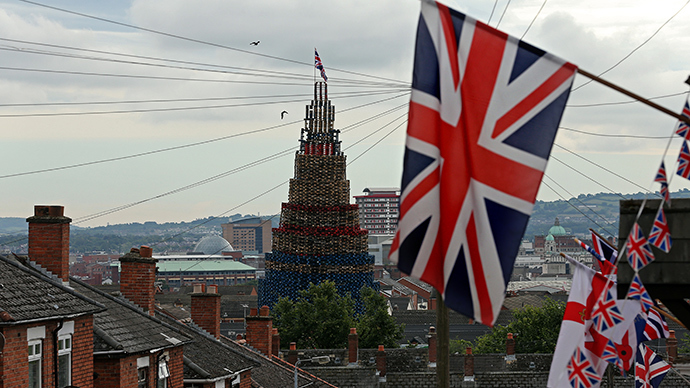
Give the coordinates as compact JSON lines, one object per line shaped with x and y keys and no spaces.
{"x":46,"y":330}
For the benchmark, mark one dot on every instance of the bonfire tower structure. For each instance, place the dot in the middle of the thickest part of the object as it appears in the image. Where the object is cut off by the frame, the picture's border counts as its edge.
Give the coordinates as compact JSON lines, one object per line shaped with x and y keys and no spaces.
{"x":319,"y":237}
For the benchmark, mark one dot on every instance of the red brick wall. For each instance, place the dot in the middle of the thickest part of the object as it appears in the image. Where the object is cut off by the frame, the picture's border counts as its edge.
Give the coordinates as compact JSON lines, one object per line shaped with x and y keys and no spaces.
{"x":246,"y":379}
{"x":260,"y":331}
{"x":82,"y":352}
{"x":137,"y":283}
{"x":176,"y":367}
{"x":15,"y":369}
{"x":49,"y":245}
{"x":206,"y":312}
{"x":108,"y":372}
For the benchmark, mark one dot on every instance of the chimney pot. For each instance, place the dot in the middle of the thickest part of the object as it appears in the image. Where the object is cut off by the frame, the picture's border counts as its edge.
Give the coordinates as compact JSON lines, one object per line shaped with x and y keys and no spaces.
{"x":353,"y":330}
{"x":212,"y":289}
{"x":264,"y":311}
{"x":253,"y":312}
{"x":293,"y":346}
{"x":145,"y":251}
{"x":199,"y":288}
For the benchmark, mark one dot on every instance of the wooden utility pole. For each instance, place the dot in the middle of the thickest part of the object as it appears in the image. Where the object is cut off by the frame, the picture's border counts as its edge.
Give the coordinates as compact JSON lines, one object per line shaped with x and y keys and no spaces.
{"x":443,"y":343}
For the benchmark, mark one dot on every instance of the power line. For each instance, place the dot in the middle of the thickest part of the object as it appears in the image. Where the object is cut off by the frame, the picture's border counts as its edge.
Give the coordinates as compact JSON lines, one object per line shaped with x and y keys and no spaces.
{"x":276,"y":187}
{"x":622,"y":102}
{"x":252,"y":73}
{"x":503,"y":14}
{"x":161,"y":78}
{"x":617,"y":135}
{"x":208,"y":180}
{"x":636,"y":48}
{"x":150,"y":110}
{"x":492,"y":12}
{"x":587,"y":176}
{"x":357,"y":93}
{"x":574,"y":207}
{"x":535,"y":18}
{"x":603,"y":168}
{"x":201,"y":41}
{"x":187,"y":145}
{"x":245,"y":69}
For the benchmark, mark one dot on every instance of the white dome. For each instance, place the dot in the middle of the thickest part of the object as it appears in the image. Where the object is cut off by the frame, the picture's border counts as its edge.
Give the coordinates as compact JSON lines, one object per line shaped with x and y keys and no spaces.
{"x":213,"y":245}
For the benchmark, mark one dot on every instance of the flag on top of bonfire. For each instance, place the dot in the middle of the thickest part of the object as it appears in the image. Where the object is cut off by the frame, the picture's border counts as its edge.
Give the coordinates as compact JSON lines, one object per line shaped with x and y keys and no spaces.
{"x":484,"y":111}
{"x":319,"y":65}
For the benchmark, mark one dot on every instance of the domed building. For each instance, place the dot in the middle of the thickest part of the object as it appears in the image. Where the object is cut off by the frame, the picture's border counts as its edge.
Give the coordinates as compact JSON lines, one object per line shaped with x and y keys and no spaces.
{"x":557,"y":229}
{"x":212,"y":245}
{"x":557,"y":240}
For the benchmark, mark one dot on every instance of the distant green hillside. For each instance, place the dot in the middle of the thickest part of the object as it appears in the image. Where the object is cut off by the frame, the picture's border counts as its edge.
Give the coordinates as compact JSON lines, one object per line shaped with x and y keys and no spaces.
{"x":577,"y":215}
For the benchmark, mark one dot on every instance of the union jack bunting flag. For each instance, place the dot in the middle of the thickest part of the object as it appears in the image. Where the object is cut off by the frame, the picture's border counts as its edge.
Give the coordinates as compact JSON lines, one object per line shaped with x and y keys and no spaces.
{"x":683,"y":127}
{"x":606,"y":314}
{"x":656,"y":326}
{"x":581,"y":373}
{"x":604,"y":248}
{"x":484,"y":111}
{"x":610,"y":354}
{"x":650,"y":369}
{"x":661,"y":178}
{"x":684,"y":161}
{"x":319,"y":65}
{"x":639,"y":252}
{"x":637,"y":291}
{"x":660,"y":236}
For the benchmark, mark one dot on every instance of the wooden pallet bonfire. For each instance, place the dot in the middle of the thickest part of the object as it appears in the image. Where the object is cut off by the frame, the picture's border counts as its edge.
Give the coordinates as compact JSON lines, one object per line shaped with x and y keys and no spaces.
{"x":319,"y":237}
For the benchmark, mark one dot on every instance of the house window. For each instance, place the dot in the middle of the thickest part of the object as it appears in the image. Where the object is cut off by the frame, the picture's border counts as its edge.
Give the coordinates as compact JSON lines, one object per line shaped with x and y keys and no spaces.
{"x":142,"y":372}
{"x":64,"y":360}
{"x":163,"y":374}
{"x":35,"y":352}
{"x":143,"y":377}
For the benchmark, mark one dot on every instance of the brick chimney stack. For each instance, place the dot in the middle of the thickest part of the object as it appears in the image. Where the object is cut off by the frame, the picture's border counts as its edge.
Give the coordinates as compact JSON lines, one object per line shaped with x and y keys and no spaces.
{"x":206,"y":308}
{"x":352,"y":346}
{"x":49,"y":239}
{"x":137,"y":277}
{"x":260,"y":330}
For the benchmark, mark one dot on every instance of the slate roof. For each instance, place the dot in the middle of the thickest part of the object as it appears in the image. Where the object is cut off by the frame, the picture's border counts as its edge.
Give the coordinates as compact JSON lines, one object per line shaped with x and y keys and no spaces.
{"x":276,"y":373}
{"x":402,"y":302}
{"x":424,"y":286}
{"x":125,"y":328}
{"x":27,"y":295}
{"x":207,"y":358}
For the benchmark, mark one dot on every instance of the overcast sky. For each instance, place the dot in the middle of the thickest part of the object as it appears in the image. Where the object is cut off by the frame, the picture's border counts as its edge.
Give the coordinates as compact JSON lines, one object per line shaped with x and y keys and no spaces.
{"x":367,"y":50}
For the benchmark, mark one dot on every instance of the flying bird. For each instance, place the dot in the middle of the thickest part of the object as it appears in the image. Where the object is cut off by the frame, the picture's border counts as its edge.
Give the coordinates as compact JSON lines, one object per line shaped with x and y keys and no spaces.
{"x":282,"y":114}
{"x":255,"y":43}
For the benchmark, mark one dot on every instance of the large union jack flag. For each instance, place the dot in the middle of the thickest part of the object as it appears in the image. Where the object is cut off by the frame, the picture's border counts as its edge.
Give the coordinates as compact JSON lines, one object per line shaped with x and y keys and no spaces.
{"x":660,"y":236}
{"x":639,"y":252}
{"x":484,"y":111}
{"x":650,"y":369}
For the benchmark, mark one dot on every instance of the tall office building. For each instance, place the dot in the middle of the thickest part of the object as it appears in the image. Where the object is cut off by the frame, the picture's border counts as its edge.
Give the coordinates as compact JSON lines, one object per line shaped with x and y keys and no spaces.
{"x":378,"y":210}
{"x":249,"y":234}
{"x":319,"y":237}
